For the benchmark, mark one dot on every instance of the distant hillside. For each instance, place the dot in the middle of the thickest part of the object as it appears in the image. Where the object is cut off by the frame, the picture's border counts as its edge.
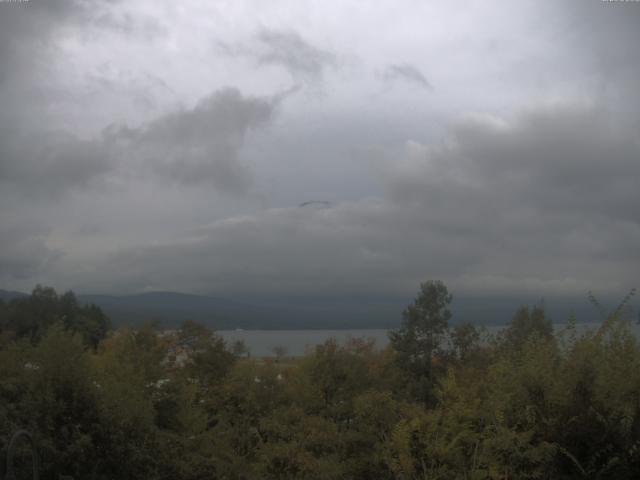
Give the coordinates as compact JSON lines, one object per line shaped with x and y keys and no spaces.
{"x":7,"y":295}
{"x":316,"y":312}
{"x":267,"y":313}
{"x":171,"y":308}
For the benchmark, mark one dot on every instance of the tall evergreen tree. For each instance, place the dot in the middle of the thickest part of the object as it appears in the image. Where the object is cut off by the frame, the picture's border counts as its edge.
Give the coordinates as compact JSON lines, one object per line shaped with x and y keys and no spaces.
{"x":424,"y":324}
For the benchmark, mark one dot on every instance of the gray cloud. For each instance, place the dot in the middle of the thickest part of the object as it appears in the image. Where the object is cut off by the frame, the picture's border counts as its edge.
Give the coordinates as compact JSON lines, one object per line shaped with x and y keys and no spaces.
{"x":542,"y":199}
{"x":39,"y":154}
{"x":289,"y":50}
{"x":485,"y":211}
{"x":129,"y":24}
{"x":556,"y":157}
{"x":26,"y":29}
{"x":29,"y":30}
{"x":38,"y":162}
{"x":407,"y":73}
{"x":24,"y":252}
{"x":305,"y":62}
{"x":197,"y":146}
{"x":602,"y":37}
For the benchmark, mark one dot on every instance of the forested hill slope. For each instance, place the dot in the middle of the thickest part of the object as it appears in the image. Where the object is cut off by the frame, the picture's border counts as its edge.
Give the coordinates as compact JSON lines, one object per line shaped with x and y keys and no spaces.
{"x":8,"y":295}
{"x":171,"y":308}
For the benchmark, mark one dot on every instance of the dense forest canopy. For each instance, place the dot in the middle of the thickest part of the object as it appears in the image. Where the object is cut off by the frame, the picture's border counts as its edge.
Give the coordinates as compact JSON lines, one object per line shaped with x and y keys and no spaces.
{"x":437,"y":403}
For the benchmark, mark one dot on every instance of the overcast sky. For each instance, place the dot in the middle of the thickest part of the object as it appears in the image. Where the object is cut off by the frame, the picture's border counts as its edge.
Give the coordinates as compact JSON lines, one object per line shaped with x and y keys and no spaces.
{"x":299,"y":147}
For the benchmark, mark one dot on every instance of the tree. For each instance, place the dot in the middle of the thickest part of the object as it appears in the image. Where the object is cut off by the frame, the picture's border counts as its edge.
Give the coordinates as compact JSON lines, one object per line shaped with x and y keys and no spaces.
{"x":336,"y":375}
{"x":465,"y":338}
{"x":526,"y":324}
{"x":279,"y":351}
{"x":31,"y":317}
{"x":424,"y":323}
{"x":239,"y":349}
{"x":209,"y":359}
{"x":87,"y":320}
{"x":194,"y":334}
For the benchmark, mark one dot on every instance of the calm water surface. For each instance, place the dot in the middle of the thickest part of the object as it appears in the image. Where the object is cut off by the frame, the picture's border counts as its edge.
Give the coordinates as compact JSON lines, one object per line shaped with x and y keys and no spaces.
{"x":297,"y":342}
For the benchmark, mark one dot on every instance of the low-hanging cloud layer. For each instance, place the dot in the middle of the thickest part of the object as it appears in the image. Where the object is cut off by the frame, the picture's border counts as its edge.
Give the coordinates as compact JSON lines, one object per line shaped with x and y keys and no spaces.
{"x":503,"y":204}
{"x":248,"y":148}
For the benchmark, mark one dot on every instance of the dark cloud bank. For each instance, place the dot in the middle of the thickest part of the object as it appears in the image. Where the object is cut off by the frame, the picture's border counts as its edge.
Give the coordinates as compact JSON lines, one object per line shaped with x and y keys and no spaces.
{"x":539,"y":203}
{"x":542,"y":201}
{"x":198,"y":145}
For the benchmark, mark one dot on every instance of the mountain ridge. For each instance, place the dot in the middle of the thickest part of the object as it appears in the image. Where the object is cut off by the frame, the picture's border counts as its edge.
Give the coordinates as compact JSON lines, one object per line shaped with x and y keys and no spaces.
{"x":169,"y":309}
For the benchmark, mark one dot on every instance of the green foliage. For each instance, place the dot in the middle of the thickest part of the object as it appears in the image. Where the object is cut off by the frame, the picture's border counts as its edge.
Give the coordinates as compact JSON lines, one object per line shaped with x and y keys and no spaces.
{"x":163,"y":406}
{"x":336,"y":374}
{"x":525,"y":324}
{"x":32,"y":316}
{"x":465,"y":339}
{"x":239,"y":349}
{"x":420,"y":336}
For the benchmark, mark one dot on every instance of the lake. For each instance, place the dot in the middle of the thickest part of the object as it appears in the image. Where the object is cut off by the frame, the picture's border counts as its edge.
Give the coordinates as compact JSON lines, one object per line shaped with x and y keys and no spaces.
{"x":298,"y":342}
{"x":262,"y":342}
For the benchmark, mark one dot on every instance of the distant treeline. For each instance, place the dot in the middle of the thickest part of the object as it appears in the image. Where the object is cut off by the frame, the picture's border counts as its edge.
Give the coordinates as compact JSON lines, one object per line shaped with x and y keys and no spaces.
{"x":437,"y":403}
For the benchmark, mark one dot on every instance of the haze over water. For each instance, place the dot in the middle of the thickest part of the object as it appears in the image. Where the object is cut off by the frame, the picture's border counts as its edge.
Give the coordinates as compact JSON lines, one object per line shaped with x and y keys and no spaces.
{"x":298,"y":342}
